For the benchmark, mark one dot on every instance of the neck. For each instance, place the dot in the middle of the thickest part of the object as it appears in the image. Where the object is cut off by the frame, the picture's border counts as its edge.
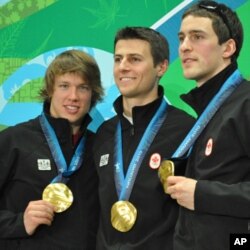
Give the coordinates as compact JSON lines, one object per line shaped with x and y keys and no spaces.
{"x":200,"y":82}
{"x":130,"y":103}
{"x":75,"y":129}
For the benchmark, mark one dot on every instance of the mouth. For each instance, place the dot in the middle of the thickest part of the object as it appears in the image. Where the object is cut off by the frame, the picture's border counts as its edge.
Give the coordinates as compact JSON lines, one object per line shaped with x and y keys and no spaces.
{"x":71,"y":109}
{"x":188,"y":60}
{"x":126,"y":79}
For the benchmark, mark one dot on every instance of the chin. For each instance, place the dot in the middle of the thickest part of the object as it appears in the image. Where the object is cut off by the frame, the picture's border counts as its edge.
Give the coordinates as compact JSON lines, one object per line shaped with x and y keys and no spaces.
{"x":189,"y":77}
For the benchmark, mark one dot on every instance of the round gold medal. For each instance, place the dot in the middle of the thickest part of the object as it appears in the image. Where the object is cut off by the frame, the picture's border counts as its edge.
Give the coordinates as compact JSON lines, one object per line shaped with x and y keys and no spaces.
{"x":59,"y":195}
{"x":166,"y":169}
{"x":123,"y":216}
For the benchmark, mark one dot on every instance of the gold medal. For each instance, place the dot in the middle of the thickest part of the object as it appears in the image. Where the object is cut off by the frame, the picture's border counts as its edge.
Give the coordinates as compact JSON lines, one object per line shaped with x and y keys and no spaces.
{"x":59,"y":195}
{"x":166,"y":169}
{"x":123,"y":216}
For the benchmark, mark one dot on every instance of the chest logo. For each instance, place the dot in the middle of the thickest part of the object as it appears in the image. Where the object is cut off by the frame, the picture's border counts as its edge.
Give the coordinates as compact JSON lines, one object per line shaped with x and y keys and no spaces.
{"x":43,"y":164}
{"x":209,"y":147}
{"x":104,"y":160}
{"x":155,"y":161}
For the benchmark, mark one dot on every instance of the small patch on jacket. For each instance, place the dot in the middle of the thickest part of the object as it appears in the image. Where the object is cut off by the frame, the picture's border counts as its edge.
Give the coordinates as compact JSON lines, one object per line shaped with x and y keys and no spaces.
{"x":155,"y":161}
{"x":209,"y":147}
{"x":104,"y":160}
{"x":43,"y":164}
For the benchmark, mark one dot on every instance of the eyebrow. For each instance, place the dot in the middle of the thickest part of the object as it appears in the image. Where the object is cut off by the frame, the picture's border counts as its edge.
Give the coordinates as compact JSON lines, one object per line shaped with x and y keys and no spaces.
{"x":62,"y":81}
{"x":131,"y":54}
{"x":194,"y":31}
{"x":68,"y":82}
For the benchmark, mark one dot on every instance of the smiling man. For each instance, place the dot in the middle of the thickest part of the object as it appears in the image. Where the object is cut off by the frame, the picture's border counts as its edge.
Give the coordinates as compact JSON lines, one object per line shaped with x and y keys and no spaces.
{"x":135,"y":211}
{"x":48,"y":183}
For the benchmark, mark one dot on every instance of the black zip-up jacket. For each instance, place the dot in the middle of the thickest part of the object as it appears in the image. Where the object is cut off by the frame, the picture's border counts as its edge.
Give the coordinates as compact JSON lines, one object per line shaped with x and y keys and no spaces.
{"x":157,"y":212}
{"x":220,"y":161}
{"x":21,"y":181}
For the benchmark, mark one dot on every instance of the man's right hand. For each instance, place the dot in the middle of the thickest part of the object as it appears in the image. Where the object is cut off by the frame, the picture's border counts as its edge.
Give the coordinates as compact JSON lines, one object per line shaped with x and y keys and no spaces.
{"x":37,"y":213}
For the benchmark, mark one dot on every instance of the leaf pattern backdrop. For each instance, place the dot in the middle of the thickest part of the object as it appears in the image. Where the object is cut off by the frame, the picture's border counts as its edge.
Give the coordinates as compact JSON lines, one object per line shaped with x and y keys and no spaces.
{"x":33,"y":32}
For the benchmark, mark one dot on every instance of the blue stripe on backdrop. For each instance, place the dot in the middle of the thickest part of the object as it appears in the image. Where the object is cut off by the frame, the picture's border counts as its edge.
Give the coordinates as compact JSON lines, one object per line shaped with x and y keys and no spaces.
{"x":169,"y":24}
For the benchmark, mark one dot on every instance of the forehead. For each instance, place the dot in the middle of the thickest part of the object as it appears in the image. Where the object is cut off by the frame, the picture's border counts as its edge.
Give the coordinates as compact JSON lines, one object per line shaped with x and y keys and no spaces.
{"x":70,"y":77}
{"x":132,"y":46}
{"x":194,"y":23}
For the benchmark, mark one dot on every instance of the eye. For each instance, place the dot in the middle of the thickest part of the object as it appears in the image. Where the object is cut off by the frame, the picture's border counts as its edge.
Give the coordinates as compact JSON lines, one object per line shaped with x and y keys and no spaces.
{"x":84,"y":88}
{"x":117,"y":59}
{"x":63,"y":86}
{"x":135,"y":59}
{"x":181,"y":38}
{"x":196,"y":37}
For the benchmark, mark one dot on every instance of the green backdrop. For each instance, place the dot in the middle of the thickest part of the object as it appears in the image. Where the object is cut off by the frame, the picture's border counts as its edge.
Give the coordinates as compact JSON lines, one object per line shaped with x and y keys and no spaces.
{"x":32,"y":32}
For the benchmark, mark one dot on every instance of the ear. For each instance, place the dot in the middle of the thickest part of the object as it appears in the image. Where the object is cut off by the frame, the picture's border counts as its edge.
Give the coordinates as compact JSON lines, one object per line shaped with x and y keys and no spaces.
{"x":229,"y":48}
{"x":162,"y":68}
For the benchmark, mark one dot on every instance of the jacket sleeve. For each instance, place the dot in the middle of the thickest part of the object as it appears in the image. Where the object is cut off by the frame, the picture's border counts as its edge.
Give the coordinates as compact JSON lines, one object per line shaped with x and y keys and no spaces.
{"x":11,"y":223}
{"x":223,"y":199}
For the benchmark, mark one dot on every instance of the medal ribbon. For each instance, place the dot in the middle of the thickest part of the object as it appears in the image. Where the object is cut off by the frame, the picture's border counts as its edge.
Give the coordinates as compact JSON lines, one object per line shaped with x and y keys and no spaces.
{"x":228,"y":87}
{"x":55,"y":149}
{"x":123,"y":184}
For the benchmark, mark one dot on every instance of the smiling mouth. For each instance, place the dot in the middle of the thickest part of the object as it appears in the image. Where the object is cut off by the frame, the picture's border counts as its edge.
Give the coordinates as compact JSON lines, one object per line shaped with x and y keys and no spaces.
{"x":188,"y":60}
{"x":125,"y":79}
{"x":71,"y":108}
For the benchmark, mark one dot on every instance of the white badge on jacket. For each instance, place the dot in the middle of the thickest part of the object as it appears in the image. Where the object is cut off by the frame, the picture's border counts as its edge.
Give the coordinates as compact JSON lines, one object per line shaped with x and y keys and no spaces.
{"x":104,"y":160}
{"x":43,"y":164}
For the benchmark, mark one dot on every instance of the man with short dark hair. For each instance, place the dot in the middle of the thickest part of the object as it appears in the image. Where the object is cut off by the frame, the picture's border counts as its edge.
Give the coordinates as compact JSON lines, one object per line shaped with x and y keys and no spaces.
{"x":214,"y":195}
{"x":136,"y":214}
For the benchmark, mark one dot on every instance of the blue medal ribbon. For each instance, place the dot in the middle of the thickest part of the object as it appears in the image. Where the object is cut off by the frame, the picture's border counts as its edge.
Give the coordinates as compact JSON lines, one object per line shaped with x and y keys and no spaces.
{"x":228,"y":87}
{"x":55,"y":149}
{"x":123,"y":184}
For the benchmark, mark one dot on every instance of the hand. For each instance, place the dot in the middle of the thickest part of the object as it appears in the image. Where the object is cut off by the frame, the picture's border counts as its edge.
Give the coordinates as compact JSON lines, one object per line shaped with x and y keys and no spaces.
{"x":182,"y":189}
{"x":37,"y":213}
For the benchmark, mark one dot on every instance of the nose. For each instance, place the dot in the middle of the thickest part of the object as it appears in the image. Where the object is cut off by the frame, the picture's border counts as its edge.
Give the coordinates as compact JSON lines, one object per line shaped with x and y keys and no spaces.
{"x":124,"y":64}
{"x":185,"y":45}
{"x":73,"y":95}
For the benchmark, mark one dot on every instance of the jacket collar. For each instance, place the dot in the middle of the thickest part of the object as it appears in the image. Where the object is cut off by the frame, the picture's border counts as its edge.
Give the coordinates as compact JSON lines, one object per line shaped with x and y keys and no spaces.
{"x":62,"y":126}
{"x":141,"y":115}
{"x":199,"y":97}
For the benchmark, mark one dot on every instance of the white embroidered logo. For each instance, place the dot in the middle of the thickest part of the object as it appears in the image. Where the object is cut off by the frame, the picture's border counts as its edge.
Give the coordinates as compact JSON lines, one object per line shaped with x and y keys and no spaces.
{"x":43,"y":164}
{"x":104,"y":160}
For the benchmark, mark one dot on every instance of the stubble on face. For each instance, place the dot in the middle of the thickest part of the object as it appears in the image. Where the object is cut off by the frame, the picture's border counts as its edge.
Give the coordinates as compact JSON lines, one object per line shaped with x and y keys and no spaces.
{"x":199,"y":50}
{"x":134,"y":71}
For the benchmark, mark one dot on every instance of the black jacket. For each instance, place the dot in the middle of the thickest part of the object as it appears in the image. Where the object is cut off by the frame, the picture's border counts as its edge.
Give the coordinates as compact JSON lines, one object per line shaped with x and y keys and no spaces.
{"x":21,"y":181}
{"x":157,"y":212}
{"x":220,"y":161}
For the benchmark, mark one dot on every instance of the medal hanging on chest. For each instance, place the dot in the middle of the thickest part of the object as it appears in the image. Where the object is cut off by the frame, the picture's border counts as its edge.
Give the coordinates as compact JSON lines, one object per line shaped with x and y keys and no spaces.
{"x":123,"y":216}
{"x":167,"y":167}
{"x":59,"y":195}
{"x":165,"y":170}
{"x":57,"y":192}
{"x":123,"y":212}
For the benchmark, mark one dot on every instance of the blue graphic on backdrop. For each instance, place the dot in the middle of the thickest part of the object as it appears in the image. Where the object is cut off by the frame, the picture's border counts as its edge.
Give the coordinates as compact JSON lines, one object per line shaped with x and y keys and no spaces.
{"x":169,"y":24}
{"x":13,"y":113}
